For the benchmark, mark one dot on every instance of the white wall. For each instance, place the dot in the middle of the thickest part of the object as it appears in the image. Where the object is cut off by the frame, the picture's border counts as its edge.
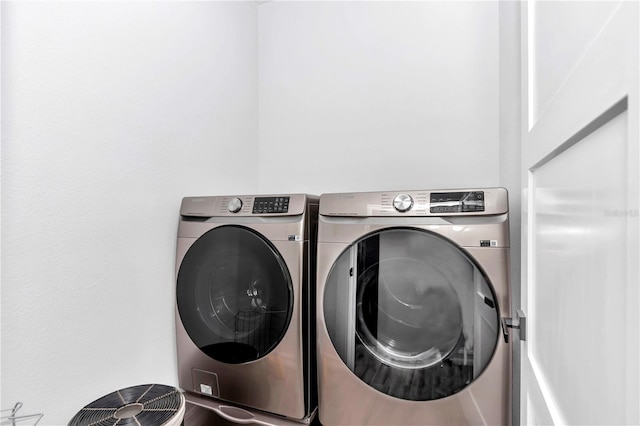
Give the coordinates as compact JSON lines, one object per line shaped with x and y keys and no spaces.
{"x":111,"y":112}
{"x":378,"y":95}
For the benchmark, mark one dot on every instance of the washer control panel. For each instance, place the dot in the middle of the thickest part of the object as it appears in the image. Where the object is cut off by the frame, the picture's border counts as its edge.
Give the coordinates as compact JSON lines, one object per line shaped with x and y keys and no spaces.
{"x":453,"y":202}
{"x":456,"y":202}
{"x":270,"y":205}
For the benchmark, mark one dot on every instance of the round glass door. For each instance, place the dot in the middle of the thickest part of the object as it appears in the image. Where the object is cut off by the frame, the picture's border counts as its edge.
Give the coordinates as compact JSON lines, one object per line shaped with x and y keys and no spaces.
{"x":410,"y":314}
{"x":234,"y":294}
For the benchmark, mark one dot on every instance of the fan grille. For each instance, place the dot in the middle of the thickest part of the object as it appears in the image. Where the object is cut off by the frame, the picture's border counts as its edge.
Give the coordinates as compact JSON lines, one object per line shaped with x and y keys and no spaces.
{"x":156,"y":405}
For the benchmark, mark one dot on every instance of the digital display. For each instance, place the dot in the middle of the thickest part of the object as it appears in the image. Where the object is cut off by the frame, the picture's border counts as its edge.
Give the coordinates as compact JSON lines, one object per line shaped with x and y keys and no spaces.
{"x":456,"y":202}
{"x":262,"y":205}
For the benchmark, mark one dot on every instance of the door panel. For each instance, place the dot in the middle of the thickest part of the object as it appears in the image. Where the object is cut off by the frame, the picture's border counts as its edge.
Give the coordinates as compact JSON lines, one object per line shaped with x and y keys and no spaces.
{"x":579,"y":275}
{"x":580,"y":214}
{"x":560,"y":41}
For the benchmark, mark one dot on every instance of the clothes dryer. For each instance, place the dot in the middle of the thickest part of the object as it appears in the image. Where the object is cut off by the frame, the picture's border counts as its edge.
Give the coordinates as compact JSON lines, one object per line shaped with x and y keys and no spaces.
{"x":412,"y":289}
{"x":245,"y":322}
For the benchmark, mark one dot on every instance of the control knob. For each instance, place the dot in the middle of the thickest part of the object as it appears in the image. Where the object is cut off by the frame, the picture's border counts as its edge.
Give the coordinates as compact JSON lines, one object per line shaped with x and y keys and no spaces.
{"x":235,"y":204}
{"x":403,"y":202}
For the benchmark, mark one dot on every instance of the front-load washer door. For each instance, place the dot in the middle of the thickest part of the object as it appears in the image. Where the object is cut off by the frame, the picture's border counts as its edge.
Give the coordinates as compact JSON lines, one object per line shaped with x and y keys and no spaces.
{"x":411,"y":314}
{"x":234,"y":294}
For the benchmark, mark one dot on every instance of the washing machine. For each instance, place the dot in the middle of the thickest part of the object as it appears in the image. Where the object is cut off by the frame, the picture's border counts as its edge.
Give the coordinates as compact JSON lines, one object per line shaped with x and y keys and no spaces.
{"x":412,"y":290}
{"x":245,"y":327}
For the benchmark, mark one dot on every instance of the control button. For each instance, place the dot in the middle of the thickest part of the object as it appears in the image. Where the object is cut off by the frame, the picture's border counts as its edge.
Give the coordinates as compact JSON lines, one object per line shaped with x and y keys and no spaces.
{"x":270,"y":205}
{"x":235,"y":205}
{"x":403,"y":202}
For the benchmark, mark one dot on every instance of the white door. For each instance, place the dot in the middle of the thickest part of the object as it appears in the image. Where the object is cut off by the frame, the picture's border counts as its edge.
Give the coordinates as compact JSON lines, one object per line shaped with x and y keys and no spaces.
{"x":580,"y":278}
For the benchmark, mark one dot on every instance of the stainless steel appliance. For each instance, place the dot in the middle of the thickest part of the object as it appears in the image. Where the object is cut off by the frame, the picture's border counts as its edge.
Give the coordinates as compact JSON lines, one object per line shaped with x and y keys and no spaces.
{"x":412,"y":289}
{"x":245,"y":323}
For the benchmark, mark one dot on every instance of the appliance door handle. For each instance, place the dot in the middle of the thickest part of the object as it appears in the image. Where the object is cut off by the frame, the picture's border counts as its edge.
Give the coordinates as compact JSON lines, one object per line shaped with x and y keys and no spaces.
{"x":519,"y":323}
{"x":238,"y":415}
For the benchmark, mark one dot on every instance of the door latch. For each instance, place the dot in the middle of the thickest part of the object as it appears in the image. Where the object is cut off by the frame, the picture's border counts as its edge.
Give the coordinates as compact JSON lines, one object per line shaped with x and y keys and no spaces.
{"x":519,"y":323}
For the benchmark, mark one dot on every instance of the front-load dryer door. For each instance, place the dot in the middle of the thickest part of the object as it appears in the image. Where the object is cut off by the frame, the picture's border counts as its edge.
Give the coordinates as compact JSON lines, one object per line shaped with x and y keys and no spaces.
{"x":411,"y":314}
{"x":234,"y":294}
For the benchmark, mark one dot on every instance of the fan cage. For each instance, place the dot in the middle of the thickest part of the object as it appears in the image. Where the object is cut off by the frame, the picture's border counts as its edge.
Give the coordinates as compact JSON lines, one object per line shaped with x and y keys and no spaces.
{"x":143,"y":405}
